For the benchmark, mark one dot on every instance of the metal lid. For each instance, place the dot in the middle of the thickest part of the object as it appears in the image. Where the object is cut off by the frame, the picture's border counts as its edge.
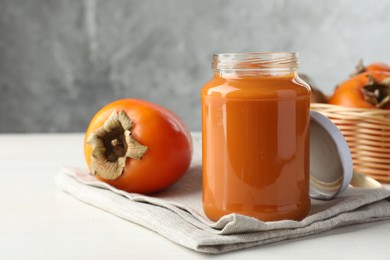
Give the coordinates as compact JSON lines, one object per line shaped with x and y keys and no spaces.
{"x":330,"y":159}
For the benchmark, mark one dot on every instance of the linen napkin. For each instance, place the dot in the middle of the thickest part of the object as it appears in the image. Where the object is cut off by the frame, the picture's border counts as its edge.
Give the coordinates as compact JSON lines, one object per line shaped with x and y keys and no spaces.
{"x":176,"y":213}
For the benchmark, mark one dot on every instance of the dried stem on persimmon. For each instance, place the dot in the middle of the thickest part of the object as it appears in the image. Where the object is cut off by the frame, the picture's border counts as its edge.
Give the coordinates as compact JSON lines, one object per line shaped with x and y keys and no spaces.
{"x":112,"y":144}
{"x":377,"y":93}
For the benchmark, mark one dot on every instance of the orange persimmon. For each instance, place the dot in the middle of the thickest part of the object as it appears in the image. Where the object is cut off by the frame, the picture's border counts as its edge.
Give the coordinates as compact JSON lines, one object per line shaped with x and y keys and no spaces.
{"x":375,"y":66}
{"x":137,"y":146}
{"x":365,"y":90}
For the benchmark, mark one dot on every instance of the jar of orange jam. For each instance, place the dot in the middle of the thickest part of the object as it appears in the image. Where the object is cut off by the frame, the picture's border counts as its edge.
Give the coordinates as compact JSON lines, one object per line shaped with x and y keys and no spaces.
{"x":255,"y":137}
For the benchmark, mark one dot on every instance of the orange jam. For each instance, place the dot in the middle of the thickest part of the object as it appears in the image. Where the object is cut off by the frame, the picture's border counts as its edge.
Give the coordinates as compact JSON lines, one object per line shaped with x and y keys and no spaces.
{"x":255,"y":130}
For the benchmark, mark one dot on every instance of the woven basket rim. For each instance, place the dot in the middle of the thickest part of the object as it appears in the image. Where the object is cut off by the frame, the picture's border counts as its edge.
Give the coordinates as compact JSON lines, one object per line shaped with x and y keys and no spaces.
{"x":373,"y":111}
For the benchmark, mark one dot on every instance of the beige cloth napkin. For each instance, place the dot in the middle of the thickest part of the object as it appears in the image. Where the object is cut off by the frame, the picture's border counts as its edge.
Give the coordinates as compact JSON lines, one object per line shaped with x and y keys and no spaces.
{"x":176,"y":213}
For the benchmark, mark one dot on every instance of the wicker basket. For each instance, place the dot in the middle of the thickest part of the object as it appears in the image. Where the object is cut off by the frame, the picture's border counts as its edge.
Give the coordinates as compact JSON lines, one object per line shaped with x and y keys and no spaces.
{"x":367,"y":132}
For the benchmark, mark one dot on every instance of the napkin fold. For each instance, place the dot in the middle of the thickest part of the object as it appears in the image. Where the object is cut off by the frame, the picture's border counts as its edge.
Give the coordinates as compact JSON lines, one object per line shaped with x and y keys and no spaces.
{"x":176,"y":213}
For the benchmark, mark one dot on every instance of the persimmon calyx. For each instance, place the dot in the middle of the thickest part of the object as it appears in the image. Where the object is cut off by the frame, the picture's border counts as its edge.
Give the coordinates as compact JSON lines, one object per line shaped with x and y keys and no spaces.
{"x":377,"y":93}
{"x":360,"y":68}
{"x":112,"y":144}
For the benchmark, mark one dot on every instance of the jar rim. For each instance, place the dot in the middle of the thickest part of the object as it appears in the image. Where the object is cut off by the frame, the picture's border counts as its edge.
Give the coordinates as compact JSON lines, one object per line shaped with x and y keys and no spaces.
{"x":256,"y":61}
{"x":270,"y":53}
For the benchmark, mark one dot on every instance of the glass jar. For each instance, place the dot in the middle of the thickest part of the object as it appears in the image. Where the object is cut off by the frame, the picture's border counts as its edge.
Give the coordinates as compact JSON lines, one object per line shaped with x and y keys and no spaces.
{"x":255,"y":137}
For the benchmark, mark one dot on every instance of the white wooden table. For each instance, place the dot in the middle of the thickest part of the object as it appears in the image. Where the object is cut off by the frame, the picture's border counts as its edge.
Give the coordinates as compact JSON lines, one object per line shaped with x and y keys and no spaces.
{"x":39,"y":221}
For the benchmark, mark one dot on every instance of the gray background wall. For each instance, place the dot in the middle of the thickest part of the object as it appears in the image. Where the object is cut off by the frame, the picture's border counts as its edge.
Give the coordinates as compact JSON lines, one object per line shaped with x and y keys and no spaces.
{"x":60,"y":61}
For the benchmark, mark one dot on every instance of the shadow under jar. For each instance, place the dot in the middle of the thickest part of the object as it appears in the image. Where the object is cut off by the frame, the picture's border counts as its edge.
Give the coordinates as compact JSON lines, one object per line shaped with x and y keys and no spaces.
{"x":255,"y":130}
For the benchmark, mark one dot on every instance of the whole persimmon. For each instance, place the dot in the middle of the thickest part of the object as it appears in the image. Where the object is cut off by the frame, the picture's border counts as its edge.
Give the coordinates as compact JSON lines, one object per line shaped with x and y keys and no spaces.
{"x":375,"y":66}
{"x":365,"y":90}
{"x":137,"y":146}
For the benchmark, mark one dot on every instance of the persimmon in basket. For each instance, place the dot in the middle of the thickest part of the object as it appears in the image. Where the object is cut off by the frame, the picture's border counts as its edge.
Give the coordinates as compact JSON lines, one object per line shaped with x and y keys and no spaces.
{"x":375,"y":66}
{"x":366,"y":90}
